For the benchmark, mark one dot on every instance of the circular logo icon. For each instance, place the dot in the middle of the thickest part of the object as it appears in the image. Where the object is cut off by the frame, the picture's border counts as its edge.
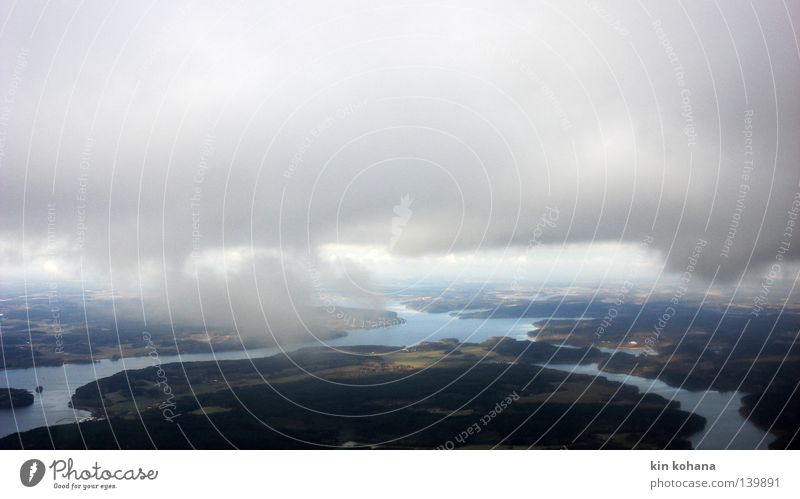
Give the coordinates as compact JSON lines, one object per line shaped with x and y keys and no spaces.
{"x":31,"y":472}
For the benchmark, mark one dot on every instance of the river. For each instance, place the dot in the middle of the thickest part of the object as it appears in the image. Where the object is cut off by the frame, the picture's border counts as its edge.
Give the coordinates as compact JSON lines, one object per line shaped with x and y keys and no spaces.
{"x":725,"y":427}
{"x":51,"y":407}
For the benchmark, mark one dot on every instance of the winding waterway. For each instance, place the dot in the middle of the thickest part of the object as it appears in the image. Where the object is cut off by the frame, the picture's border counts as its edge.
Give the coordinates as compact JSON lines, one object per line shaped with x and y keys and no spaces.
{"x":725,"y":427}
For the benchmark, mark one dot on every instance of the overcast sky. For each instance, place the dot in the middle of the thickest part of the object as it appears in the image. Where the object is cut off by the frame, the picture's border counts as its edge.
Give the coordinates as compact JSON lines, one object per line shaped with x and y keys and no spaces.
{"x":261,"y":143}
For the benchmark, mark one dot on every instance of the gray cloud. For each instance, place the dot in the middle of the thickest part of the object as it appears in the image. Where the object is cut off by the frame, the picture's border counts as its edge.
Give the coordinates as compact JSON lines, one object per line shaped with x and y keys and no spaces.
{"x":283,"y":128}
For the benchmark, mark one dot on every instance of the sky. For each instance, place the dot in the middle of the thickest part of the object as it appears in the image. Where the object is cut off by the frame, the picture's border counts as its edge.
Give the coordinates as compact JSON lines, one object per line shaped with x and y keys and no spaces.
{"x":246,"y":159}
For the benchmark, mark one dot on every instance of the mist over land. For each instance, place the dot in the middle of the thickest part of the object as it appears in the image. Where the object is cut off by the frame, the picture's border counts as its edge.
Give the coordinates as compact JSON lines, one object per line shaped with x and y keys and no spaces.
{"x":621,"y":179}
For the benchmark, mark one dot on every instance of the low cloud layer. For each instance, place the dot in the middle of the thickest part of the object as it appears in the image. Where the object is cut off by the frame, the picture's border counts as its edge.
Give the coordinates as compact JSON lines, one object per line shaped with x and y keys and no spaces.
{"x":149,"y":142}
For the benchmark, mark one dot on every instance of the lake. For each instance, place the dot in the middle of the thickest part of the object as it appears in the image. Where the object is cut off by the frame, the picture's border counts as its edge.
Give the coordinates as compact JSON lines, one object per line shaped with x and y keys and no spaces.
{"x":51,"y":406}
{"x":725,"y":427}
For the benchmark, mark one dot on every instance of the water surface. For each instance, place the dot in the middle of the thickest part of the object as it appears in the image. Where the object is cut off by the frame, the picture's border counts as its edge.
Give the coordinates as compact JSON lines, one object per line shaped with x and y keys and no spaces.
{"x":51,"y":407}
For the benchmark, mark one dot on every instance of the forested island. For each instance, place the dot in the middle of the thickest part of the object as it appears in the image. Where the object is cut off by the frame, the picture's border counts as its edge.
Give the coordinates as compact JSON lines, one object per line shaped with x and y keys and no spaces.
{"x":11,"y":398}
{"x":316,"y":399}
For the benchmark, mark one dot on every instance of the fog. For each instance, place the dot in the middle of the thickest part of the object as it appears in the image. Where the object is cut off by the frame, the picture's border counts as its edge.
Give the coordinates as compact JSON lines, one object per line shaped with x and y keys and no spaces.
{"x":207,"y":155}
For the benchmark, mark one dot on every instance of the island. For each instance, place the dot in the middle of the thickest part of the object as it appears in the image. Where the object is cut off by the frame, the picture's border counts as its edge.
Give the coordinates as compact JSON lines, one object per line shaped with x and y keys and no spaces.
{"x":11,"y":398}
{"x":718,"y":345}
{"x":442,"y":394}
